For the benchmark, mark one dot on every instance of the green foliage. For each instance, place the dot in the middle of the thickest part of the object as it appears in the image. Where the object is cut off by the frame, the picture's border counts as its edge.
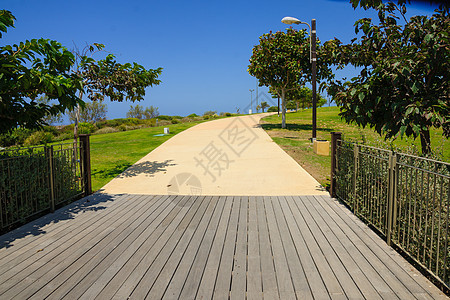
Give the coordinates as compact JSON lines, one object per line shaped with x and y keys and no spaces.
{"x":193,"y":116}
{"x":402,"y":88}
{"x":91,"y":112}
{"x":164,"y":117}
{"x":28,"y":70}
{"x":14,"y":137}
{"x":281,"y":61}
{"x":175,"y":121}
{"x":38,"y":138}
{"x":210,"y":113}
{"x":272,"y":109}
{"x":264,"y":105}
{"x":86,"y":128}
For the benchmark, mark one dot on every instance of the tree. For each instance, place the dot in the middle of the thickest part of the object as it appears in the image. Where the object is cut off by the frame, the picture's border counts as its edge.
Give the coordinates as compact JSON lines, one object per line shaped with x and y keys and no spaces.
{"x":136,"y":112}
{"x":151,"y":112}
{"x":92,"y":112}
{"x":32,"y":69}
{"x":48,"y":118}
{"x":403,"y":87}
{"x":301,"y":96}
{"x":45,"y":67}
{"x":281,"y":61}
{"x":264,"y":105}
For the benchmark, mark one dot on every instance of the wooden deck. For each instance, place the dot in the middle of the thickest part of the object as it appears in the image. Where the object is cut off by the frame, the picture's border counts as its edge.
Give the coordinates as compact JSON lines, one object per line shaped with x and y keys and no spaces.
{"x":203,"y":247}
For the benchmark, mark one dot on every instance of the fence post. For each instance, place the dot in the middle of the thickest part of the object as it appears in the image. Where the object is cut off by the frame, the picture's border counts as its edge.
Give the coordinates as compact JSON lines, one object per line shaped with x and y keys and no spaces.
{"x":355,"y":173}
{"x":391,"y":199}
{"x":86,"y":163}
{"x":335,"y":136}
{"x":51,"y":175}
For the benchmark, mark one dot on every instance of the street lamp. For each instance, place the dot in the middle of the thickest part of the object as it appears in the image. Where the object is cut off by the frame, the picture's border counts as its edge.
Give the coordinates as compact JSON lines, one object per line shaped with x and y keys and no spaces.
{"x":312,"y":59}
{"x":251,"y":100}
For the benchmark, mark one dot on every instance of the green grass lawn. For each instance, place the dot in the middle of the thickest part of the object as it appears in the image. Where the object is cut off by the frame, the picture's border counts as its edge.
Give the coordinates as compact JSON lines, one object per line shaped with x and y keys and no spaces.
{"x":295,"y":139}
{"x":113,"y":153}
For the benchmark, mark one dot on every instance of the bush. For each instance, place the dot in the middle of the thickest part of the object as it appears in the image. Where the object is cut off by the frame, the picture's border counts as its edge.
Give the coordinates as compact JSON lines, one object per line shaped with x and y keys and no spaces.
{"x":86,"y":128}
{"x":38,"y":138}
{"x":209,"y":113}
{"x":206,"y":117}
{"x":192,"y":116}
{"x":105,"y":130}
{"x":163,"y":117}
{"x":273,"y":109}
{"x":228,"y":114}
{"x":175,"y":121}
{"x":122,"y":127}
{"x":63,"y":137}
{"x":15,"y":137}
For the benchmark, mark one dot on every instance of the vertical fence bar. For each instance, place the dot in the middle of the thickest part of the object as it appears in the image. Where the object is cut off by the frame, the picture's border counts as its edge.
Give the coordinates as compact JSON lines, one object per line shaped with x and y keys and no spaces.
{"x":391,"y":193}
{"x":49,"y":151}
{"x":335,"y":136}
{"x":86,"y":163}
{"x":355,"y":173}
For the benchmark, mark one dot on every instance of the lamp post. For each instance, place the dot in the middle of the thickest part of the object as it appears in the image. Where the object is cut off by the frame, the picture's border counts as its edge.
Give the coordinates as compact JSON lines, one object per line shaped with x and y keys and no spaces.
{"x":313,"y":59}
{"x":251,"y":100}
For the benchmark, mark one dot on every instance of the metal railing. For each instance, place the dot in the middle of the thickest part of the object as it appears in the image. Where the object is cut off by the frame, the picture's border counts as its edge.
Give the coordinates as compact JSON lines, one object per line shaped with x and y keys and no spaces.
{"x":405,"y":197}
{"x":35,"y":180}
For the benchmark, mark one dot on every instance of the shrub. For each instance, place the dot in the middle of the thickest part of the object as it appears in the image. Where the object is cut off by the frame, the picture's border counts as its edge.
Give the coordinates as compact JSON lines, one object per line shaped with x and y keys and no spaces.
{"x":38,"y":138}
{"x":192,"y":116}
{"x":105,"y":130}
{"x":163,"y":117}
{"x":206,"y":117}
{"x":63,"y":137}
{"x":122,"y":127}
{"x":228,"y":114}
{"x":15,"y":137}
{"x":210,"y":113}
{"x":86,"y":128}
{"x":175,"y":121}
{"x":273,"y":109}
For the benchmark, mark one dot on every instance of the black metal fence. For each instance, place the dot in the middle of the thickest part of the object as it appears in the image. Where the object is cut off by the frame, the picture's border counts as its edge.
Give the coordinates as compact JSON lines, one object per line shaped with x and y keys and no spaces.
{"x":35,"y":180}
{"x":406,"y":198}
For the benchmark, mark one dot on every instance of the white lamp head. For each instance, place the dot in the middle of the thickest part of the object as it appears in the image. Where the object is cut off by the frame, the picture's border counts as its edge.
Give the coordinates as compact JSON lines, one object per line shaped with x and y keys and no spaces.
{"x":290,"y":20}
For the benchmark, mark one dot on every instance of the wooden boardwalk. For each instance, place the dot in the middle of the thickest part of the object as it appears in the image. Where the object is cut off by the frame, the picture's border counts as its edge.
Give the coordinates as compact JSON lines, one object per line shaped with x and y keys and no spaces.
{"x":204,"y":247}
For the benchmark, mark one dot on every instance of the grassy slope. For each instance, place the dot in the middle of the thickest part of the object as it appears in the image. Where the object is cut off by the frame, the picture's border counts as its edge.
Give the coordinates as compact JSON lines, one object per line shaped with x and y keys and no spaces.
{"x":295,"y":139}
{"x":113,"y":153}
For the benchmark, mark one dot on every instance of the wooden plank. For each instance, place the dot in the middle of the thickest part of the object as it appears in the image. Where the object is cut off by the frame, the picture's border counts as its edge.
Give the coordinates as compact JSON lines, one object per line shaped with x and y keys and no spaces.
{"x":60,"y":256}
{"x":314,"y":278}
{"x":171,"y":279}
{"x":254,"y":280}
{"x":298,"y":275}
{"x":329,"y":278}
{"x":284,"y":280}
{"x":222,"y":286}
{"x":269,"y":279}
{"x":339,"y":229}
{"x":55,"y":232}
{"x":192,"y":282}
{"x":12,"y":243}
{"x":171,"y":263}
{"x":239,"y":273}
{"x":69,"y":262}
{"x":384,"y":259}
{"x":88,"y":274}
{"x":346,"y":282}
{"x":142,"y":264}
{"x":351,"y":267}
{"x":206,"y":288}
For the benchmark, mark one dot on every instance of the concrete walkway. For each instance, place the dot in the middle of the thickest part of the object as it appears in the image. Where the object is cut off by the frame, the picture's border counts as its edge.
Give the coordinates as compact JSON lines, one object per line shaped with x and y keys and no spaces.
{"x":231,"y":156}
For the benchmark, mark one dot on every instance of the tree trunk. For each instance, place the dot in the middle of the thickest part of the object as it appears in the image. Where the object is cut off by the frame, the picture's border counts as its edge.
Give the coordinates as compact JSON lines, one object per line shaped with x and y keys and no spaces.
{"x":425,"y":141}
{"x":283,"y":108}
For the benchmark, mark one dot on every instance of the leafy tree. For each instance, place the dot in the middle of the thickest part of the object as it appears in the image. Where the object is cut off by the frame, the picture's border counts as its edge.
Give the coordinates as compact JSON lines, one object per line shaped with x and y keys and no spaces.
{"x":92,"y":112}
{"x":403,"y":87}
{"x":45,"y":67}
{"x":281,"y":61}
{"x":136,"y":112}
{"x":301,"y":96}
{"x":29,"y":70}
{"x":48,"y":118}
{"x":264,"y":105}
{"x":151,"y":112}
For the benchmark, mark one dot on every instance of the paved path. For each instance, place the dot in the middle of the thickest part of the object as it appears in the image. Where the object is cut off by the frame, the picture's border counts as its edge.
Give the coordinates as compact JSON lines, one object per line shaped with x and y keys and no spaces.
{"x":231,"y":156}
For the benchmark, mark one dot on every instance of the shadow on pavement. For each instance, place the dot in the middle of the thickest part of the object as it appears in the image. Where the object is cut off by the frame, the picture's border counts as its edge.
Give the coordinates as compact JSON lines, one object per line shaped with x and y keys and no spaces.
{"x":90,"y":203}
{"x":148,"y":168}
{"x":294,"y":127}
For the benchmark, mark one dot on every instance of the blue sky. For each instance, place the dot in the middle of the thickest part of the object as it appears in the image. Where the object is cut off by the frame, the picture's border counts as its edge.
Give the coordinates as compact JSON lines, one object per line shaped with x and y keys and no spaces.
{"x":202,"y":46}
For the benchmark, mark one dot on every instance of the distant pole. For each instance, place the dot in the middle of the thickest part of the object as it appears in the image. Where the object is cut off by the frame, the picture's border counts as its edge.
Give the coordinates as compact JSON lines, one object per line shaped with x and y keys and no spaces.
{"x":251,"y":99}
{"x":314,"y":72}
{"x":256,"y":95}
